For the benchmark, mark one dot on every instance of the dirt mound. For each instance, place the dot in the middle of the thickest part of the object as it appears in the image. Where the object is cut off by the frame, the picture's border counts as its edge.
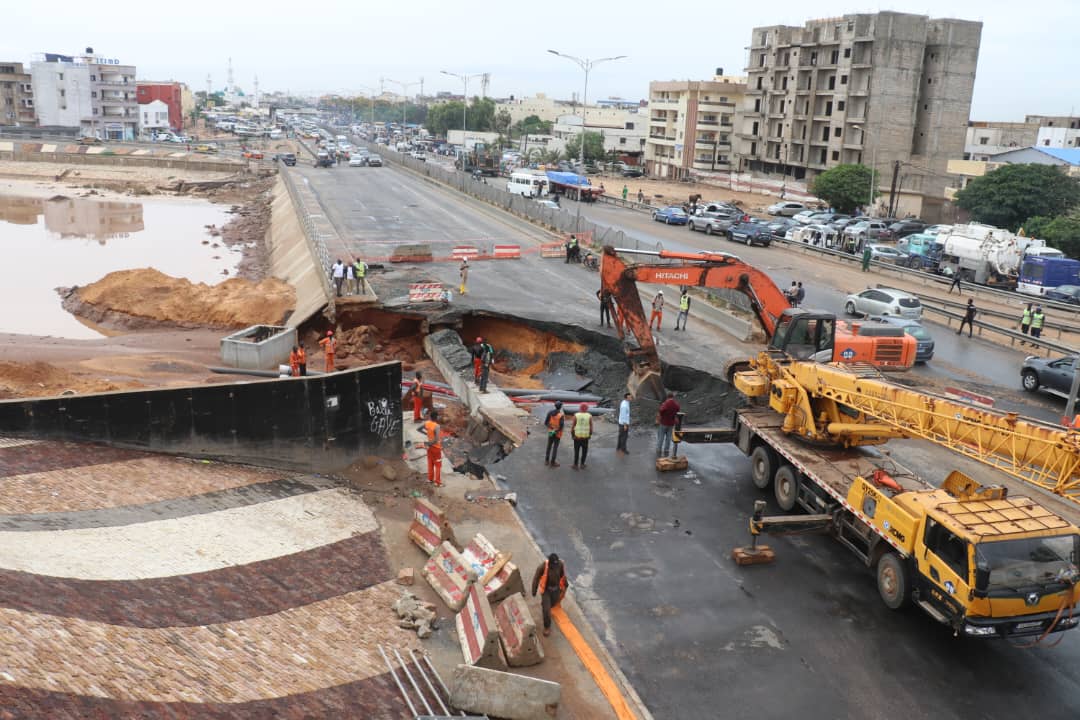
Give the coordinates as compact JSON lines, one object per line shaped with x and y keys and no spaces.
{"x":41,"y":379}
{"x":367,"y":343}
{"x":137,"y":298}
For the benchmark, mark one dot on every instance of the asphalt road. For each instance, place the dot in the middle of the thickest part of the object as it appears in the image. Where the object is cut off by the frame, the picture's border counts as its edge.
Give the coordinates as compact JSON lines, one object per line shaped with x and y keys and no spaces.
{"x":648,"y":553}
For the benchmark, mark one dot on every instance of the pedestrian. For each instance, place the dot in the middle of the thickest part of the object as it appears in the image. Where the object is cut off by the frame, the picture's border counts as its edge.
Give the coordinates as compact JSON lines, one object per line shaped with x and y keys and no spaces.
{"x":294,"y":362}
{"x":800,"y":295}
{"x":956,"y":284}
{"x":329,"y":346}
{"x":657,"y":310}
{"x":583,"y":429}
{"x":301,"y":359}
{"x":360,"y":271}
{"x":554,"y":422}
{"x":1037,"y":320}
{"x":665,"y":423}
{"x":550,"y":580}
{"x":337,"y":271}
{"x":969,"y":317}
{"x":684,"y":309}
{"x":1025,"y":322}
{"x":487,"y":359}
{"x":433,"y":432}
{"x":791,"y":293}
{"x":624,"y":425}
{"x":418,"y":397}
{"x":476,"y":350}
{"x":463,"y":271}
{"x":571,"y":248}
{"x":350,"y":279}
{"x":866,"y":255}
{"x":605,"y":306}
{"x":640,"y":196}
{"x":625,"y":192}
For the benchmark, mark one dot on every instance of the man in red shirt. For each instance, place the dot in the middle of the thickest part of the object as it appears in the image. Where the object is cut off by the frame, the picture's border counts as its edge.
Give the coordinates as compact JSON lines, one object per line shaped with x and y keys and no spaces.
{"x":665,"y":418}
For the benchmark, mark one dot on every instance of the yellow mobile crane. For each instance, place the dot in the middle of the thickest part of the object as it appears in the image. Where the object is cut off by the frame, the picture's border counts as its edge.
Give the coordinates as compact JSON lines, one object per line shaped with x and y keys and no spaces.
{"x":972,"y":557}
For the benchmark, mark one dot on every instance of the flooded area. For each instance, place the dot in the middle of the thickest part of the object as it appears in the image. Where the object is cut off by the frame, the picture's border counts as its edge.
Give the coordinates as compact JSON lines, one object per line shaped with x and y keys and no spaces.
{"x":60,"y":242}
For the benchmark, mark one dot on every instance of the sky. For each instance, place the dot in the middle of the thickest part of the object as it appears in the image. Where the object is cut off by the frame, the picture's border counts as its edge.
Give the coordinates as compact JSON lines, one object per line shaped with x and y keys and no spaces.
{"x":342,"y":46}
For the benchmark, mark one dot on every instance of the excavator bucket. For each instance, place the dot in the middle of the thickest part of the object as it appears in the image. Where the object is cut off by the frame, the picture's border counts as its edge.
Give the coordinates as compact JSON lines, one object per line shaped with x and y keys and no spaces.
{"x":645,"y":383}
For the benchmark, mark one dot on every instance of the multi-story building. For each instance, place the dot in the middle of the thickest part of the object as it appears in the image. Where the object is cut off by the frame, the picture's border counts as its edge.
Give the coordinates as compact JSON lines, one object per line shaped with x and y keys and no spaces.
{"x":692,"y":125}
{"x":16,"y":95}
{"x":153,"y":117}
{"x":93,"y":93}
{"x":985,"y":139}
{"x":622,"y":130}
{"x":891,"y":90}
{"x":170,"y":93}
{"x":541,"y":106}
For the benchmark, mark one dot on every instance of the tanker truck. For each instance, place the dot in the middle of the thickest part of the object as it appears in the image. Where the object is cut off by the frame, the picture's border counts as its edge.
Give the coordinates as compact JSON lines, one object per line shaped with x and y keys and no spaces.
{"x":987,"y":255}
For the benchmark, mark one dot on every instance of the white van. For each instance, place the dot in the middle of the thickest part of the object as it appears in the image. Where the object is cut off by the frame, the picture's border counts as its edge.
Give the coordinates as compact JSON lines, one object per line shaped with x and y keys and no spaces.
{"x":527,"y":183}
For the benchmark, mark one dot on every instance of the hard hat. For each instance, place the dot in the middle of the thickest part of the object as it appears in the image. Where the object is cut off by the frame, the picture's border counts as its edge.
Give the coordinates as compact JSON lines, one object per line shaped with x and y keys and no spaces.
{"x":660,"y":292}
{"x":479,"y":339}
{"x":583,"y":407}
{"x":329,"y":333}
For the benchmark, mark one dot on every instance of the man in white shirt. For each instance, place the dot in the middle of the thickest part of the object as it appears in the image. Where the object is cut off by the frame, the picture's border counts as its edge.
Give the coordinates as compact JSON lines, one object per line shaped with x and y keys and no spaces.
{"x":624,"y":424}
{"x":337,"y":271}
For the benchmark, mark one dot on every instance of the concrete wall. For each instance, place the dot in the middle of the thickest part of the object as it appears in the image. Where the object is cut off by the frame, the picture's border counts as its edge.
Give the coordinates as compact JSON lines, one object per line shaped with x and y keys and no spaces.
{"x":240,"y":350}
{"x":10,"y":151}
{"x":291,"y":258}
{"x":313,"y":424}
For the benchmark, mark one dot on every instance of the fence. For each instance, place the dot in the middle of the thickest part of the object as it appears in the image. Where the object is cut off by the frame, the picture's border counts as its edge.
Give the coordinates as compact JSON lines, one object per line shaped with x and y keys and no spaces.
{"x":315,"y":240}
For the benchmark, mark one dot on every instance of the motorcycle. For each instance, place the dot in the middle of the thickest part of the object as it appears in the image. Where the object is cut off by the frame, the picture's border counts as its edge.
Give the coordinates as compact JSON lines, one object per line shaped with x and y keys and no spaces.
{"x":591,"y":261}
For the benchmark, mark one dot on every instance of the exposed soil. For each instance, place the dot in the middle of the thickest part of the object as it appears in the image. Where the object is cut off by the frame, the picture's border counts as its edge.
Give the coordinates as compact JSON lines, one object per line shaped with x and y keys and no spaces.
{"x":249,"y":224}
{"x":37,"y":379}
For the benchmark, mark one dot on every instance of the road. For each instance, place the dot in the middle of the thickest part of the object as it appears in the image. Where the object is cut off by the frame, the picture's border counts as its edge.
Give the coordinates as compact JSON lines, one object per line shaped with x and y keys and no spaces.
{"x":648,"y":553}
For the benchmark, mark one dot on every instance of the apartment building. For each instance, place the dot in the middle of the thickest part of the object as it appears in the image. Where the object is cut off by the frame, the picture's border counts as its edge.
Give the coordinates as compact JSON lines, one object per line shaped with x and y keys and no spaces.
{"x":692,"y":125}
{"x":622,"y":130}
{"x":93,"y":93}
{"x":891,"y":90}
{"x":985,"y":139}
{"x":16,"y":96}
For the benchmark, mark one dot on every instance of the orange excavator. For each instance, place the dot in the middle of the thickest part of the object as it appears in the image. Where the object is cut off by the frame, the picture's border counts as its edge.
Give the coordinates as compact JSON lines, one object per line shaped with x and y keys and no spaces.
{"x":801,"y":334}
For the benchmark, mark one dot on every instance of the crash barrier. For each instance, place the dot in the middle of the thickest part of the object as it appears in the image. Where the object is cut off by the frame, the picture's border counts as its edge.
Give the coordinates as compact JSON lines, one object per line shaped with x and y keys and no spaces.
{"x":478,"y":631}
{"x":517,"y":632}
{"x":498,"y":576}
{"x":1013,"y":335}
{"x":465,"y":251}
{"x":446,"y":573}
{"x":1012,"y":318}
{"x":429,"y":528}
{"x":505,"y":252}
{"x":426,"y":292}
{"x":553,"y":250}
{"x":967,"y":396}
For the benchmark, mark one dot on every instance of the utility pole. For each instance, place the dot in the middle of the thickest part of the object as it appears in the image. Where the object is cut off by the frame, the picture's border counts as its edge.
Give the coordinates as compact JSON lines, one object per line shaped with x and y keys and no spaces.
{"x":892,"y":187}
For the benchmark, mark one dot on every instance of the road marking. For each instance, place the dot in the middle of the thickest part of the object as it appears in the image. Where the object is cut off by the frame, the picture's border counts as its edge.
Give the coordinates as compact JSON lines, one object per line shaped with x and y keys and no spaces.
{"x":592,"y":663}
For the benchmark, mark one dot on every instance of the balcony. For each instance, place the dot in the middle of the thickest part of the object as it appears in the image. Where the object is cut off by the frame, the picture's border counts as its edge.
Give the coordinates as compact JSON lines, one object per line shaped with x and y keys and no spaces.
{"x":662,"y":138}
{"x":853,"y":145}
{"x":711,"y":123}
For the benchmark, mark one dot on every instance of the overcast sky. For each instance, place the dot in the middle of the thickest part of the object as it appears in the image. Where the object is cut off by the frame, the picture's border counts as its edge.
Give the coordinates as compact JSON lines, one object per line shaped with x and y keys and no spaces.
{"x":1026,"y":64}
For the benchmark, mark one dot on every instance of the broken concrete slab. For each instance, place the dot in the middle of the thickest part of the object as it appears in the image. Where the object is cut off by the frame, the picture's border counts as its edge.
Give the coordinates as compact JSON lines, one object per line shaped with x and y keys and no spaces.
{"x":503,"y":694}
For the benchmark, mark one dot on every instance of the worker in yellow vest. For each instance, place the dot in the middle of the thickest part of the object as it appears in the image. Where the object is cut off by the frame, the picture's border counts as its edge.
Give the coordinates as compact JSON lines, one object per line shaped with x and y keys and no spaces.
{"x":583,"y":429}
{"x":684,"y":309}
{"x":1025,"y":322}
{"x":1037,"y":320}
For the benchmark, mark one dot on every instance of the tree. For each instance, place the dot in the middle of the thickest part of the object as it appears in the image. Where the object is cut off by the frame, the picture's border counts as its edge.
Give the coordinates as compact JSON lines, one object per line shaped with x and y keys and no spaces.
{"x":502,"y":123}
{"x":1062,"y":232}
{"x":846,"y":187}
{"x":1007,"y":196}
{"x":594,"y":146}
{"x":533,"y":125}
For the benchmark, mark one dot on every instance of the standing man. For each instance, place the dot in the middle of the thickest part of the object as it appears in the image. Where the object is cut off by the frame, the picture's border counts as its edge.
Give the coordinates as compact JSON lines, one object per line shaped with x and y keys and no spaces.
{"x":1025,"y":322}
{"x":684,"y":309}
{"x":624,"y":425}
{"x":418,"y":397}
{"x":329,"y":346}
{"x":665,"y":419}
{"x":657,"y":310}
{"x":301,"y":359}
{"x":582,"y":432}
{"x":463,"y":271}
{"x":866,"y":255}
{"x":337,"y":271}
{"x":554,"y":424}
{"x":800,"y":295}
{"x":625,"y":192}
{"x":487,"y":359}
{"x":550,"y":580}
{"x":294,"y":362}
{"x":956,"y":284}
{"x":360,"y":271}
{"x":1037,"y":320}
{"x":350,"y":279}
{"x":571,"y":248}
{"x":605,"y":306}
{"x":433,"y":432}
{"x":640,"y":196}
{"x":969,"y":317}
{"x":476,"y":351}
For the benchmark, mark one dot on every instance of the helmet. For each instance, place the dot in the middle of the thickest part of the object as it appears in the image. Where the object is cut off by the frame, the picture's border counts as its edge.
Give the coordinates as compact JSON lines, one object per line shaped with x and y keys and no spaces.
{"x":661,"y":292}
{"x":329,"y":333}
{"x":583,"y":407}
{"x":479,"y":339}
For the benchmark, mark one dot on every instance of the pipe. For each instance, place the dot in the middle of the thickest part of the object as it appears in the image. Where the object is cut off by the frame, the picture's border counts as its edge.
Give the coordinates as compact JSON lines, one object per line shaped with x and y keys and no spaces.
{"x":393,"y":673}
{"x":427,"y":681}
{"x":416,"y":687}
{"x":564,"y":395}
{"x":253,"y":373}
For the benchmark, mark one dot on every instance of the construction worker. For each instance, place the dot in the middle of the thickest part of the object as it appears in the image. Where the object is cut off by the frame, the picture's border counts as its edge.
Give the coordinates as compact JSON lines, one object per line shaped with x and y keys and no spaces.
{"x":463,"y":271}
{"x":867,"y":254}
{"x":417,"y":391}
{"x":550,"y":580}
{"x":969,"y":317}
{"x":583,"y":429}
{"x":294,"y":362}
{"x":571,"y":248}
{"x":476,"y":351}
{"x":329,"y":346}
{"x":1025,"y":322}
{"x":657,"y":310}
{"x":624,"y":425}
{"x":665,"y":423}
{"x":1037,"y":320}
{"x":554,"y":424}
{"x":956,"y":284}
{"x":684,"y":309}
{"x":433,"y":431}
{"x":360,"y":270}
{"x":487,"y":359}
{"x":301,"y":359}
{"x":625,"y":192}
{"x":605,"y":306}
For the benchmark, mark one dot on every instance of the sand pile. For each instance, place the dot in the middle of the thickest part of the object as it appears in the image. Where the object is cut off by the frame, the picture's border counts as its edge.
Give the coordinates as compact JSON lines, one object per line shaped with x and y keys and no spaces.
{"x":145,"y":297}
{"x":41,"y":379}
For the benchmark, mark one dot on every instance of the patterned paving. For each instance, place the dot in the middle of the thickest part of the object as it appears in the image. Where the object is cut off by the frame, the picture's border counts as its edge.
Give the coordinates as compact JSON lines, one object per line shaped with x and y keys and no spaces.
{"x":143,"y":586}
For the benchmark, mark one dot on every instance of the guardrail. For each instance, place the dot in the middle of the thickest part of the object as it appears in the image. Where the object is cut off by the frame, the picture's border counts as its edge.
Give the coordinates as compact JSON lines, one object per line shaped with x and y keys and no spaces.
{"x":928,"y":301}
{"x":315,"y":241}
{"x":629,"y":204}
{"x":1013,"y":335}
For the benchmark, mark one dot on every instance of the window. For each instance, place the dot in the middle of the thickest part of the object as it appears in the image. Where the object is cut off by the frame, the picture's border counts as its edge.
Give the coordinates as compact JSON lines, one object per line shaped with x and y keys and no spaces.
{"x":629,"y":126}
{"x":843,"y":79}
{"x":951,"y":549}
{"x":783,"y":84}
{"x":757,"y":105}
{"x":983,"y":141}
{"x":836,"y":132}
{"x":847,"y":52}
{"x":753,"y":148}
{"x":787,"y":58}
{"x":1046,"y":142}
{"x":929,"y":81}
{"x":63,"y":93}
{"x":835,"y":155}
{"x":813,"y":58}
{"x":832,"y":82}
{"x":759,"y":82}
{"x":754,"y":129}
{"x":93,"y":78}
{"x":761,"y":60}
{"x":59,"y":76}
{"x":622,"y":141}
{"x":835,"y":57}
{"x":93,"y":93}
{"x":840,"y":106}
{"x":825,"y":133}
{"x":824,"y":154}
{"x":828,"y":107}
{"x":781,"y":107}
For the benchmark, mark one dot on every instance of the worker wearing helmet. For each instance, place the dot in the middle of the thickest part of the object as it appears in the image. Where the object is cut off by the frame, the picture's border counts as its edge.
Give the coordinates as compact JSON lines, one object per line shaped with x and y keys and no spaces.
{"x":657,"y":310}
{"x":329,"y":346}
{"x":554,"y":424}
{"x":476,"y":350}
{"x":583,"y":429}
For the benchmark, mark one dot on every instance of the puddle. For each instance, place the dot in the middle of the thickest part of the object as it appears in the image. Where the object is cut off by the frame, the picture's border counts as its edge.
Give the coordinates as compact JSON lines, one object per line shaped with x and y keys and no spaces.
{"x":74,"y":241}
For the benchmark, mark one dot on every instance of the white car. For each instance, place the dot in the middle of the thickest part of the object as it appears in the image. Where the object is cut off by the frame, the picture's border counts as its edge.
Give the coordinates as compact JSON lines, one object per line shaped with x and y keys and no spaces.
{"x":884,"y":302}
{"x":803,"y":218}
{"x":786,"y":209}
{"x":549,"y":204}
{"x":357,"y":160}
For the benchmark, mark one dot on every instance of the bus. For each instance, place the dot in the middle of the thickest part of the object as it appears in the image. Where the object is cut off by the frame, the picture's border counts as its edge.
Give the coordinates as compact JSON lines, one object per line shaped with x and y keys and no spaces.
{"x":527,"y":183}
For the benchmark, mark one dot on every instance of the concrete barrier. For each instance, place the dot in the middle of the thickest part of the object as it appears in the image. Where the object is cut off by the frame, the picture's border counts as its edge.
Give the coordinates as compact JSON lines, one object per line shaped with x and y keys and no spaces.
{"x":506,"y":252}
{"x":478,"y":632}
{"x":504,"y":695}
{"x":517,"y":632}
{"x":292,"y":259}
{"x":553,"y":250}
{"x":426,"y":292}
{"x":446,"y":573}
{"x":465,"y":251}
{"x":481,"y":557}
{"x":429,"y":528}
{"x":259,"y":347}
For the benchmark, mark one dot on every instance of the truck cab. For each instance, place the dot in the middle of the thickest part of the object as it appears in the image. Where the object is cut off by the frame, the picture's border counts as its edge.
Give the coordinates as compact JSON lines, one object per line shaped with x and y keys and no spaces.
{"x":805,"y":334}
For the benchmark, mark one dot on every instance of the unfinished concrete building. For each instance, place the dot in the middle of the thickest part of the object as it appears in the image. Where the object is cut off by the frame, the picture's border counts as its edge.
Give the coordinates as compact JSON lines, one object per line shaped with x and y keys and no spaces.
{"x":16,"y":96}
{"x":874,"y":88}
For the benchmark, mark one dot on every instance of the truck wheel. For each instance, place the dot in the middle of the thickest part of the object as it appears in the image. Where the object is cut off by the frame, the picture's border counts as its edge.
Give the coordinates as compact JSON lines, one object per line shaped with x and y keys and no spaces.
{"x":786,"y":487}
{"x":762,"y":466}
{"x":893,"y":581}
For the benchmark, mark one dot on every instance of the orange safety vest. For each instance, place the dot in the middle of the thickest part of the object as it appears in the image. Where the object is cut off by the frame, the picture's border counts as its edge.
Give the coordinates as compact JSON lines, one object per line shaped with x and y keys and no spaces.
{"x":562,"y":581}
{"x":329,"y":345}
{"x":434,"y":436}
{"x":294,"y":362}
{"x":553,"y":424}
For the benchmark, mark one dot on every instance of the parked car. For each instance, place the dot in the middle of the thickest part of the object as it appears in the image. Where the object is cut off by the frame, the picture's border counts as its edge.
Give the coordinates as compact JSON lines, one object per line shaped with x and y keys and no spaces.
{"x":887,"y":253}
{"x":633,"y":172}
{"x":253,"y":155}
{"x":357,"y":160}
{"x":803,"y":218}
{"x":712,"y":222}
{"x":751,"y":233}
{"x":549,"y":204}
{"x":883,"y":301}
{"x":670,"y":215}
{"x":924,"y":351}
{"x":1064,"y":293}
{"x":866,"y":230}
{"x":374,"y":160}
{"x":418,"y":155}
{"x":826,"y":218}
{"x":908,"y":226}
{"x":937,"y":230}
{"x":1055,"y":376}
{"x":89,"y":140}
{"x":842,"y":222}
{"x":286,"y":158}
{"x":779,"y":227}
{"x":786,"y":209}
{"x":323,"y":159}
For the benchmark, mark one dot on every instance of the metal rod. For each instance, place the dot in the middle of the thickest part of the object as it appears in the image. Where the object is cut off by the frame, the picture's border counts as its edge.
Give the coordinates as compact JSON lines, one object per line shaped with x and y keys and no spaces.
{"x":412,"y":708}
{"x":412,"y":681}
{"x":427,"y":681}
{"x":437,"y":677}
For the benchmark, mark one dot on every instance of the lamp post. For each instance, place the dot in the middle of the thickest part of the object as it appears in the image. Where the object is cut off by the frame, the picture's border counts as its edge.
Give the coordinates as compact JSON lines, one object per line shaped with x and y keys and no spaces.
{"x":873,"y":163}
{"x":371,"y":98}
{"x":404,"y":100}
{"x":464,"y":78}
{"x":586,"y":65}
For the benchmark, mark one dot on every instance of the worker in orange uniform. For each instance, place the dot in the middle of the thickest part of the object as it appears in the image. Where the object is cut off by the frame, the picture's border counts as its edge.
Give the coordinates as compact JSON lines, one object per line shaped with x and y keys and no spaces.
{"x":329,"y":346}
{"x":294,"y":362}
{"x":657,"y":310}
{"x":433,"y":431}
{"x":550,"y":580}
{"x":476,"y":351}
{"x":301,"y":359}
{"x":418,"y":397}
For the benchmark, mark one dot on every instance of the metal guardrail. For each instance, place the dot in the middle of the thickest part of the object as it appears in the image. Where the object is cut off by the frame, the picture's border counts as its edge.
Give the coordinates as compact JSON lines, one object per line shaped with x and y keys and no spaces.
{"x":629,"y":204}
{"x":1013,"y":335}
{"x":315,"y":241}
{"x":927,"y":301}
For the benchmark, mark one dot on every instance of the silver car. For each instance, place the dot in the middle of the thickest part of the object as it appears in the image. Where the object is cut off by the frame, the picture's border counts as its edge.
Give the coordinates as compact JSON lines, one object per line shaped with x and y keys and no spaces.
{"x":786,"y":209}
{"x":884,"y":302}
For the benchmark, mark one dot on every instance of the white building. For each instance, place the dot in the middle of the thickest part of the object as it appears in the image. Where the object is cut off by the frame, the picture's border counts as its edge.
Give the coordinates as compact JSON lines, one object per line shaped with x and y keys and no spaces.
{"x":61,"y":94}
{"x":623,"y":131}
{"x":1058,"y":137}
{"x":93,"y":93}
{"x":153,"y":116}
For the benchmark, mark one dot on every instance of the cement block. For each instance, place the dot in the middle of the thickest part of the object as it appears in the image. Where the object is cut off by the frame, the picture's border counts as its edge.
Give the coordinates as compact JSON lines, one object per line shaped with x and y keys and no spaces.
{"x":503,"y":694}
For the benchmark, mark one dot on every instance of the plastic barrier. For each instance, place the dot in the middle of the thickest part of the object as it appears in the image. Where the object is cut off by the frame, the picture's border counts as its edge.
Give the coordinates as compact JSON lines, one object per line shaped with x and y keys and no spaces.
{"x":425,"y":292}
{"x":517,"y":632}
{"x":429,"y":528}
{"x":553,"y":250}
{"x":481,"y":557}
{"x":465,"y":251}
{"x":446,"y":573}
{"x":506,"y":252}
{"x":478,"y":632}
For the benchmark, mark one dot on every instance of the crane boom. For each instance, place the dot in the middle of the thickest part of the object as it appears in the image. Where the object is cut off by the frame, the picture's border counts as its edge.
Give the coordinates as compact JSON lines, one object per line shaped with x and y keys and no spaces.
{"x":832,"y":404}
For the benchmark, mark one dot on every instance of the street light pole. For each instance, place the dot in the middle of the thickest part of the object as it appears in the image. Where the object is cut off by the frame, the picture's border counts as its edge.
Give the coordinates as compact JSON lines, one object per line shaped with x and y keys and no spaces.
{"x":404,"y":99}
{"x":371,"y":99}
{"x":464,"y":78}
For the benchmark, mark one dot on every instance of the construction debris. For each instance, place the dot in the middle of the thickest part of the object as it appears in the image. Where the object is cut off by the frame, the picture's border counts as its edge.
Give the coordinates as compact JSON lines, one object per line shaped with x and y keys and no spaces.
{"x":414,"y":614}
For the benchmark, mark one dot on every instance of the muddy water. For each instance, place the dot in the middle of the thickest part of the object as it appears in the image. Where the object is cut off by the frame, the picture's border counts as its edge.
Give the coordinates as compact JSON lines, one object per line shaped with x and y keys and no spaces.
{"x":45,"y":244}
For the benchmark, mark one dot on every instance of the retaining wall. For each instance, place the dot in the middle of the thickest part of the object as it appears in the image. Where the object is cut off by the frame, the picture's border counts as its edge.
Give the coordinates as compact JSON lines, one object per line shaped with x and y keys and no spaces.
{"x":312,"y":424}
{"x":12,"y":151}
{"x":293,"y":259}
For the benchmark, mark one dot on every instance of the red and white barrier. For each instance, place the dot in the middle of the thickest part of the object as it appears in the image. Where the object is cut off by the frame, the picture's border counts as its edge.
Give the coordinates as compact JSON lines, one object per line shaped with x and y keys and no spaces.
{"x":967,"y":396}
{"x":478,"y":632}
{"x":465,"y":251}
{"x":553,"y":250}
{"x":425,"y":292}
{"x":517,"y":632}
{"x":429,"y":528}
{"x":480,"y":556}
{"x":506,"y":252}
{"x":446,"y":573}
